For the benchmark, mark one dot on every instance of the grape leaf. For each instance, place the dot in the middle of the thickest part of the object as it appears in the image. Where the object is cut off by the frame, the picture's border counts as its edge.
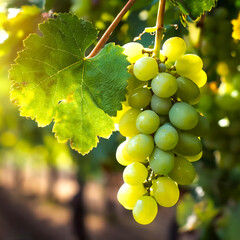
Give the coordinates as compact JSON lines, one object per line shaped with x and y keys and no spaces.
{"x":52,"y":80}
{"x":194,"y":8}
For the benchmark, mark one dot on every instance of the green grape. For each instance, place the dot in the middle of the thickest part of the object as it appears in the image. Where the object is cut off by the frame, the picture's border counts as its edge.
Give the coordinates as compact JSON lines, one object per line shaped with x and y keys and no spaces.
{"x":199,"y":78}
{"x":147,"y":122}
{"x":145,"y":68}
{"x":188,"y":144}
{"x":161,"y":162}
{"x":174,"y":48}
{"x":145,"y":210}
{"x":183,"y":116}
{"x":183,"y":172}
{"x":188,"y":64}
{"x":140,"y":98}
{"x":194,"y":158}
{"x":127,"y":123}
{"x":128,"y":195}
{"x":161,"y":105}
{"x":164,"y":85}
{"x":119,"y":155}
{"x":187,"y":91}
{"x":165,"y":191}
{"x":140,"y":146}
{"x":202,"y":128}
{"x":133,"y":50}
{"x":123,"y":157}
{"x":135,"y":174}
{"x":166,"y":137}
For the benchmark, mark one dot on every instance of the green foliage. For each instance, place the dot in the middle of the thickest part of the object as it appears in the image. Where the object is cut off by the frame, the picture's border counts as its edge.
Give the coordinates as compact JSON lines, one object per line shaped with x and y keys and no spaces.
{"x":194,"y":8}
{"x":53,"y":80}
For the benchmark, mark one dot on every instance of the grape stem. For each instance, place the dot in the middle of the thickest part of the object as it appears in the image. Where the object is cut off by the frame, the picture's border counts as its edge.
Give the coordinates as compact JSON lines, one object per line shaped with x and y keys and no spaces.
{"x":160,"y":28}
{"x":110,"y":29}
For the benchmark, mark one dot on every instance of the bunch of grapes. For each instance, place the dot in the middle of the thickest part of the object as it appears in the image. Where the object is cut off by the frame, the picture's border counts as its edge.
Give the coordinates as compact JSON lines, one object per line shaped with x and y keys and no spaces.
{"x":161,"y":127}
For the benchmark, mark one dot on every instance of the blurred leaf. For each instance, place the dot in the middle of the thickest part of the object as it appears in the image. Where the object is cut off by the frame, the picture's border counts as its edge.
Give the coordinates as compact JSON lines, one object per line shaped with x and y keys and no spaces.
{"x":53,"y":80}
{"x":184,"y":211}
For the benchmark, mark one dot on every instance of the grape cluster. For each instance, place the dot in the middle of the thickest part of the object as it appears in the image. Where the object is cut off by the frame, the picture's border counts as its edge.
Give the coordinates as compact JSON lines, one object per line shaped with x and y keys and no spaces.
{"x":161,"y":127}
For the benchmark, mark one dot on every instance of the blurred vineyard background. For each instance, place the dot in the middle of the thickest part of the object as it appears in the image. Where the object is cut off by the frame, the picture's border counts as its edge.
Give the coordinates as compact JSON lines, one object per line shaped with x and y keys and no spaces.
{"x":48,"y":191}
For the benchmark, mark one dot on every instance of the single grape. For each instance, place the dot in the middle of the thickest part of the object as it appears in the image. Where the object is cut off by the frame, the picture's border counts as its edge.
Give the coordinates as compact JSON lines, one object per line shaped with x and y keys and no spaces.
{"x":145,"y":210}
{"x":194,"y":158}
{"x":119,"y":155}
{"x":188,"y":144}
{"x":183,"y":172}
{"x":174,"y":48}
{"x":188,"y":64}
{"x":127,"y":123}
{"x":128,"y":195}
{"x":202,"y":128}
{"x":164,"y":85}
{"x":147,"y":122}
{"x":166,"y":137}
{"x":187,"y":91}
{"x":165,"y":191}
{"x":161,"y":162}
{"x":140,"y":146}
{"x":161,"y":105}
{"x":133,"y":50}
{"x":162,"y":67}
{"x":135,"y":174}
{"x":183,"y":116}
{"x":145,"y":68}
{"x":140,"y":98}
{"x":200,"y":78}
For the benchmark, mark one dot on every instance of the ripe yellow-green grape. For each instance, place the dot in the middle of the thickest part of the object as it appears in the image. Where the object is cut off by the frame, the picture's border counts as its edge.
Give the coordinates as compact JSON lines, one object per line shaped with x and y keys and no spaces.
{"x":140,"y":98}
{"x":140,"y":146}
{"x":128,"y":195}
{"x":188,"y":144}
{"x":145,"y":210}
{"x":135,"y":174}
{"x":174,"y":48}
{"x":200,"y":78}
{"x":161,"y":162}
{"x":165,"y":191}
{"x":123,"y":157}
{"x":147,"y":122}
{"x":145,"y":68}
{"x":133,"y":50}
{"x":166,"y":137}
{"x":119,"y":155}
{"x":127,"y":123}
{"x":183,"y":116}
{"x":183,"y":171}
{"x":188,"y":64}
{"x":187,"y":91}
{"x":161,"y":105}
{"x":164,"y":85}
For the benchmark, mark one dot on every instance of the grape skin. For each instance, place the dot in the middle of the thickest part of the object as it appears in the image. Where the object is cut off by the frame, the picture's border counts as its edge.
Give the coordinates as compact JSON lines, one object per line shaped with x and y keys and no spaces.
{"x":174,"y":48}
{"x":183,"y":116}
{"x":164,"y":85}
{"x":145,"y":210}
{"x":145,"y":68}
{"x":135,"y":174}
